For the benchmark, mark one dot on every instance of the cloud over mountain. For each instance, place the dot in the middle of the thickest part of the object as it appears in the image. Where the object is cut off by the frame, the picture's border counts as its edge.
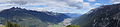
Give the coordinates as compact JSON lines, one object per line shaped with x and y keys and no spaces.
{"x":69,"y":3}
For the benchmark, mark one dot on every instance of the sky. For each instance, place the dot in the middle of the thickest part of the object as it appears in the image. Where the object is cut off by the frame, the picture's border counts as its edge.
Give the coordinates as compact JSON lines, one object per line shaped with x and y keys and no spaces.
{"x":60,"y":6}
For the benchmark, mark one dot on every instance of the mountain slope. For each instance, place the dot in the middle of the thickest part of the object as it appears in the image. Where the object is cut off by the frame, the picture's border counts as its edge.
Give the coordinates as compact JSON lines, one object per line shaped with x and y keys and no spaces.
{"x":43,"y":16}
{"x":104,"y":16}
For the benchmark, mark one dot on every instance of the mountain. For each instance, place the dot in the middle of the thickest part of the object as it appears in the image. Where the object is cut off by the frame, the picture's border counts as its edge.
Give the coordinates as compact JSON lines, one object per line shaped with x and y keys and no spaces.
{"x":103,"y":16}
{"x":17,"y":14}
{"x":73,"y":15}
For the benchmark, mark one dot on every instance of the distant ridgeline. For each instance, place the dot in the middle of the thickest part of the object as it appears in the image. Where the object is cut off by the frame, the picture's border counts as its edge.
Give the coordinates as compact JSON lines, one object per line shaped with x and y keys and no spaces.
{"x":104,"y":16}
{"x":16,"y":14}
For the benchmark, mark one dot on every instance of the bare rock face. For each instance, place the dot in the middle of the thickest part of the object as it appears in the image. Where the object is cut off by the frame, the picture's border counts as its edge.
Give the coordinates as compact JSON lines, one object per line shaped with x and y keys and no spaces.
{"x":107,"y":16}
{"x":104,"y":16}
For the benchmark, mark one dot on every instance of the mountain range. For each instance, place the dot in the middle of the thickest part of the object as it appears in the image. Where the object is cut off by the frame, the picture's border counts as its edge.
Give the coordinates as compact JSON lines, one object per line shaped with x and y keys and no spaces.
{"x":31,"y":18}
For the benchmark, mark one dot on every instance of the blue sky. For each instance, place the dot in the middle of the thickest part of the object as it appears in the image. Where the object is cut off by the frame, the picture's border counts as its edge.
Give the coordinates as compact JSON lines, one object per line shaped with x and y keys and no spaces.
{"x":60,"y":6}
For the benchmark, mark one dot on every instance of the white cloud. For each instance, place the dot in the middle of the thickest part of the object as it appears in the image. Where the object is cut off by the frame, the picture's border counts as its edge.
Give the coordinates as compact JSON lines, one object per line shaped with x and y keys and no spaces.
{"x":70,"y":3}
{"x":77,"y":0}
{"x":52,"y":5}
{"x":115,"y":1}
{"x":86,"y":4}
{"x":97,"y":4}
{"x":91,"y":0}
{"x":4,"y":1}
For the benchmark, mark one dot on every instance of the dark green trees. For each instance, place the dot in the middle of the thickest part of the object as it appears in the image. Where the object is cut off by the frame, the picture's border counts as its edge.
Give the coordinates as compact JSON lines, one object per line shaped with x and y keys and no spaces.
{"x":11,"y":24}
